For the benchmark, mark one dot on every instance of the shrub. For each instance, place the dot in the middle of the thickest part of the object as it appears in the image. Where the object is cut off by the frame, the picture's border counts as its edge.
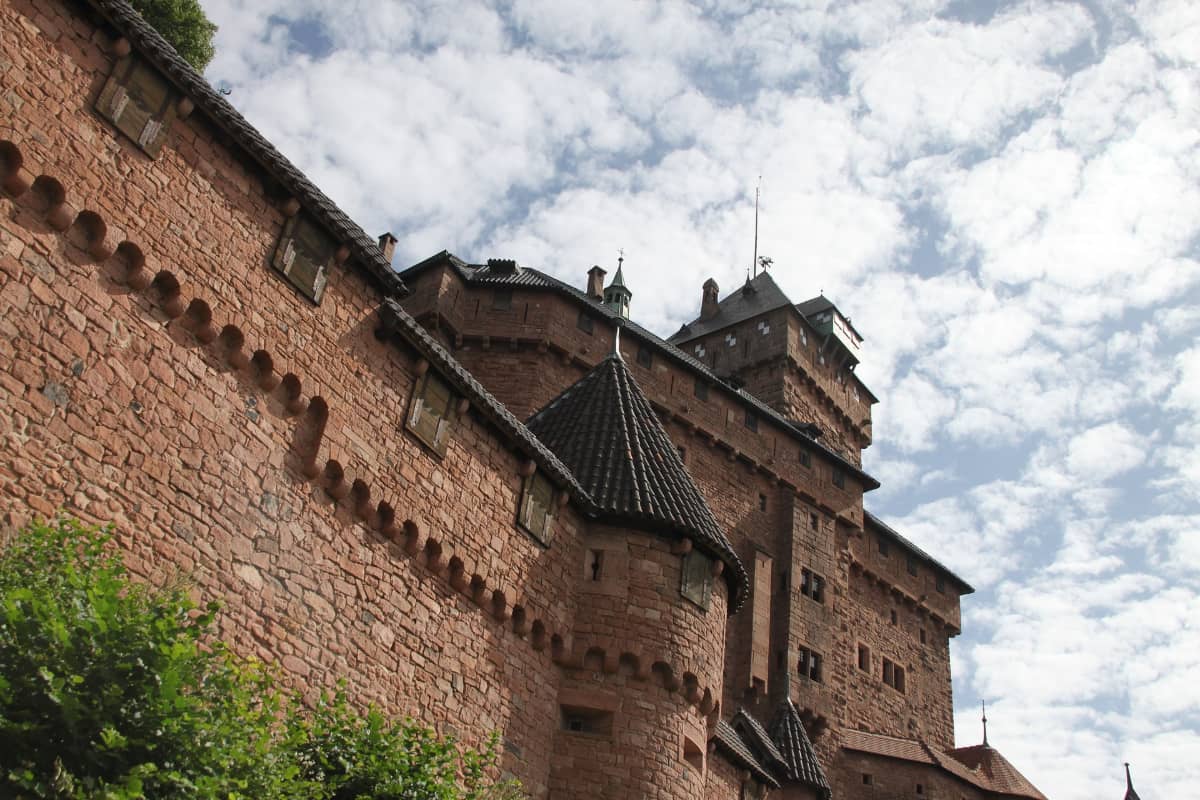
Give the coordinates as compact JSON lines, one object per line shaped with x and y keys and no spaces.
{"x":184,"y":25}
{"x":111,"y":689}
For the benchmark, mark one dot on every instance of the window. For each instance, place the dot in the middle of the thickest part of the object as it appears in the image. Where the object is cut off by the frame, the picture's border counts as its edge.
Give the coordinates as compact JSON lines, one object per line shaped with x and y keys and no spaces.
{"x":700,"y":389}
{"x":920,"y":789}
{"x":884,"y":546}
{"x":838,"y":478}
{"x":894,"y":618}
{"x":751,"y":420}
{"x":536,"y":512}
{"x":809,"y":665}
{"x":922,"y":636}
{"x":502,"y":300}
{"x":139,"y":101}
{"x":814,"y":521}
{"x":594,"y":565}
{"x":644,"y":357}
{"x":585,"y":322}
{"x":867,"y":779}
{"x":893,"y":675}
{"x":762,"y":502}
{"x":430,"y":414}
{"x":693,"y":754}
{"x":303,"y":255}
{"x":912,"y":564}
{"x":940,"y":584}
{"x":812,"y":585}
{"x":805,"y":459}
{"x":593,"y":721}
{"x":696,"y":582}
{"x":864,"y":658}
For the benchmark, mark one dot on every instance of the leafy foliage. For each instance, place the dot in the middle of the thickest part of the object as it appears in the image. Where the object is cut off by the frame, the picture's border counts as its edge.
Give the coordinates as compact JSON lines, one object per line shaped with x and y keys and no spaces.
{"x":183,"y":24}
{"x":111,"y":689}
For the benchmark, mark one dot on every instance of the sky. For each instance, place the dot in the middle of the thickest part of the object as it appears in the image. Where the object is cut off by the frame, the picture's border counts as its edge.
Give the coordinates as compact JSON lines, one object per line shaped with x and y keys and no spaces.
{"x":1003,"y":196}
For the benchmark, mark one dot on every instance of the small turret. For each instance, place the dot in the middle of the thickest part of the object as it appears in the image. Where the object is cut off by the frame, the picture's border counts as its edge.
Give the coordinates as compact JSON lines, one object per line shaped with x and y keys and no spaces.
{"x":708,"y":300}
{"x":617,"y":294}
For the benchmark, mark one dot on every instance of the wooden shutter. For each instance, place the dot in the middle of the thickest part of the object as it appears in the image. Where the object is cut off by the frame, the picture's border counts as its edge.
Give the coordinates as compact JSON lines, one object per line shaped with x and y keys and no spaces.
{"x":303,"y":255}
{"x":139,"y":101}
{"x":697,"y":578}
{"x":430,"y":412}
{"x":535,"y":507}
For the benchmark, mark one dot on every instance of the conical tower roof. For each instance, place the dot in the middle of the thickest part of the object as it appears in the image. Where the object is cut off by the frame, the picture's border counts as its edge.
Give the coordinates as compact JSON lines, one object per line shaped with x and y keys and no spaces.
{"x":604,"y":429}
{"x":793,"y":743}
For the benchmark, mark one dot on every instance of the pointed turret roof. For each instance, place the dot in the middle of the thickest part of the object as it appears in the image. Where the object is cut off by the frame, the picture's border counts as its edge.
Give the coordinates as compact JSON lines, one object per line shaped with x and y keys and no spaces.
{"x":1130,"y":792}
{"x":604,"y":429}
{"x":799,"y":757}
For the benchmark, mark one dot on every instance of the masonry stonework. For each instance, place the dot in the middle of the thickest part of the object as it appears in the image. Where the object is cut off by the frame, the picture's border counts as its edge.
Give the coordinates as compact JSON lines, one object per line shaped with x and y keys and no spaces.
{"x":156,"y":371}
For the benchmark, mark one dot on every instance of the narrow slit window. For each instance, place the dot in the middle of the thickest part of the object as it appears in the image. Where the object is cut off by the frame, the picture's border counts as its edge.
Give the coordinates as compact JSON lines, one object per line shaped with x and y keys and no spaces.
{"x":429,"y":416}
{"x":595,"y":565}
{"x":864,"y":658}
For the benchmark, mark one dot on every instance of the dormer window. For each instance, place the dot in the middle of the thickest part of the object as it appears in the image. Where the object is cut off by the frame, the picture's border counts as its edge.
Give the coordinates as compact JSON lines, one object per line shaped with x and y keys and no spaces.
{"x":696,"y":583}
{"x":304,"y":254}
{"x":536,"y":513}
{"x":139,"y":101}
{"x":429,"y":416}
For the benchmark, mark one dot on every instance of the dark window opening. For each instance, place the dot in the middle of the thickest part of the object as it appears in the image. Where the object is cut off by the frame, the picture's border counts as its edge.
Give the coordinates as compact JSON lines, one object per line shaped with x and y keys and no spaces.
{"x":805,"y":581}
{"x":940,"y":584}
{"x":812,"y":585}
{"x":922,"y":636}
{"x":864,"y":658}
{"x":585,"y":322}
{"x":502,"y":300}
{"x":920,"y":789}
{"x":593,"y":721}
{"x":912,"y":565}
{"x":818,"y":589}
{"x":894,"y":618}
{"x":893,"y":675}
{"x":700,"y":390}
{"x":809,"y":665}
{"x":838,"y":478}
{"x":814,"y":521}
{"x":884,"y":546}
{"x":644,"y":357}
{"x":868,"y":780}
{"x":805,"y":459}
{"x":751,"y":421}
{"x":693,"y":755}
{"x":595,"y":564}
{"x":762,"y":502}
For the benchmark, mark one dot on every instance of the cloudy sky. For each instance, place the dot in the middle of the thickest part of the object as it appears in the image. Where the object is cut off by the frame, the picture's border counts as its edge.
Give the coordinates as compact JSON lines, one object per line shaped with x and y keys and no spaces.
{"x":1005,"y":197}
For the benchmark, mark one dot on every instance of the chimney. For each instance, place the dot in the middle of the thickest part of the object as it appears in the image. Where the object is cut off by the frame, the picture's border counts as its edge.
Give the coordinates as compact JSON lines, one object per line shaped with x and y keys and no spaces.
{"x":708,"y":302}
{"x":595,"y":283}
{"x":387,"y":246}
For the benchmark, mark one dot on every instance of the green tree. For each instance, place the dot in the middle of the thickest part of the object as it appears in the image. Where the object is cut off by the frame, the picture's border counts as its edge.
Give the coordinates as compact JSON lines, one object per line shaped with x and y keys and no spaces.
{"x":183,"y":24}
{"x":113,"y":690}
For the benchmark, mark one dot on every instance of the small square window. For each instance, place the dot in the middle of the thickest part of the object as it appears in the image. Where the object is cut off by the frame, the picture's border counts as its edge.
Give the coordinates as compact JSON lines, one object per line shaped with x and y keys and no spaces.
{"x":700,"y":389}
{"x":838,"y":478}
{"x":696,"y":581}
{"x":429,"y":416}
{"x":762,"y":502}
{"x":502,"y":300}
{"x":751,"y":420}
{"x":644,"y":357}
{"x":868,"y":779}
{"x":805,"y":459}
{"x":537,"y":507}
{"x":585,"y":322}
{"x":139,"y":101}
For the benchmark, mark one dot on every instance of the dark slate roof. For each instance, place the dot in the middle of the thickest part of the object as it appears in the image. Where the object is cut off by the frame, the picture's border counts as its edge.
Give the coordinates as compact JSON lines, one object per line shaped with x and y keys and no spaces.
{"x":870,"y":519}
{"x":799,"y":757}
{"x":604,"y":429}
{"x":757,"y":295}
{"x":752,"y":731}
{"x":397,"y":321}
{"x":531,"y":278}
{"x":731,"y":743}
{"x":149,"y":44}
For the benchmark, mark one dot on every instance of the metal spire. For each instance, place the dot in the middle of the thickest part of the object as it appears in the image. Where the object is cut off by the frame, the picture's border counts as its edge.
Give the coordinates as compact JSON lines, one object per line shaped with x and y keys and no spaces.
{"x":754,"y":262}
{"x":983,"y":704}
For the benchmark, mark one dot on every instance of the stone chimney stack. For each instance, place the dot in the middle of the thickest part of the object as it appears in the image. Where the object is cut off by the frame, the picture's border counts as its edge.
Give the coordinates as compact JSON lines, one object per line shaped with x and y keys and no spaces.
{"x":595,"y":283}
{"x":708,"y":302}
{"x":387,"y":246}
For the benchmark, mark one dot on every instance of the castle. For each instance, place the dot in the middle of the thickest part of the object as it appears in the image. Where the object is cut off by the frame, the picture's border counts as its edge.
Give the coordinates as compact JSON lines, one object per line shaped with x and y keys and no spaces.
{"x":482,"y":496}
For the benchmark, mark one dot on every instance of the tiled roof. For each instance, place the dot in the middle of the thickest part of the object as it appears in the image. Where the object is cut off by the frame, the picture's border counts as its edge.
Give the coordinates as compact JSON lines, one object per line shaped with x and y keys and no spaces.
{"x":149,"y":44}
{"x":759,"y":740}
{"x":731,"y":743}
{"x":604,"y":429}
{"x":531,"y":278}
{"x":799,"y":757}
{"x":756,"y":296}
{"x":1001,"y":775}
{"x":871,"y":519}
{"x":398,"y":321}
{"x":890,"y":746}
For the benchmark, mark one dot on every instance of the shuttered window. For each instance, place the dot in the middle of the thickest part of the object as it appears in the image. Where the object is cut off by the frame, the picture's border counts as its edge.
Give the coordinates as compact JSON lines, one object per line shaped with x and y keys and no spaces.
{"x":537,"y":497}
{"x":696,"y":584}
{"x":429,"y":417}
{"x":139,"y":101}
{"x":303,"y":255}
